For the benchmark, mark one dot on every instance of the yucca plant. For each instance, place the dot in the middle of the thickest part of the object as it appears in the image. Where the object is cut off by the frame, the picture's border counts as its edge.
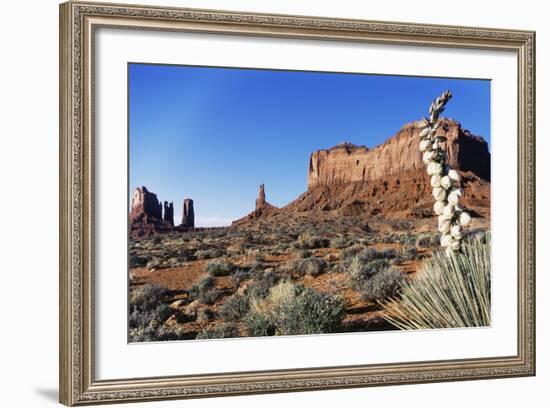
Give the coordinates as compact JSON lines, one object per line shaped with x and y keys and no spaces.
{"x":448,"y":291}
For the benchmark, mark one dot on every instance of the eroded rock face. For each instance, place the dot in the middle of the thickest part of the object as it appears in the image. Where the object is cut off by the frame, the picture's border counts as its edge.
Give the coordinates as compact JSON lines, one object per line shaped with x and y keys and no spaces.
{"x":145,"y":205}
{"x":391,"y":179}
{"x":188,"y":217}
{"x":398,"y":155}
{"x":169,"y":213}
{"x":146,"y":214}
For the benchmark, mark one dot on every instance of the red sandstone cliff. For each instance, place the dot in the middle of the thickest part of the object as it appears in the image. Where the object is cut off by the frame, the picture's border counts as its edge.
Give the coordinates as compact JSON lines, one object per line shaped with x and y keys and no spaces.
{"x":391,"y":177}
{"x":399,"y":154}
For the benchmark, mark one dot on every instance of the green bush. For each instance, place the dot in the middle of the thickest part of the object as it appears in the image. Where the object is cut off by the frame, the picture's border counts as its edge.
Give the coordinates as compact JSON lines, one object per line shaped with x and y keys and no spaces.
{"x":360,"y":272}
{"x":307,"y":241}
{"x":311,"y":266}
{"x":352,"y":251}
{"x":209,"y":253}
{"x":137,"y":261}
{"x":384,"y":284}
{"x":147,"y":313}
{"x":339,"y":242}
{"x":259,"y":325}
{"x":220,"y":268}
{"x":449,"y":290}
{"x":235,"y":308}
{"x":423,"y":241}
{"x":221,"y":331}
{"x":293,"y":309}
{"x":209,"y":297}
{"x":239,"y":276}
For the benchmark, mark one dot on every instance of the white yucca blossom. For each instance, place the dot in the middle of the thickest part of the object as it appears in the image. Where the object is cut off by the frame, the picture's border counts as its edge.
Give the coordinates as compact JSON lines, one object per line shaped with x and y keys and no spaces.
{"x":448,"y":211}
{"x":439,"y":193}
{"x":453,"y":175}
{"x":445,"y":182}
{"x":446,"y":240}
{"x":424,"y":145}
{"x":428,"y":156}
{"x":454,"y":196}
{"x":456,"y":231}
{"x":435,"y":181}
{"x":438,"y":207}
{"x":445,"y":226}
{"x":434,"y":168}
{"x":464,"y":219}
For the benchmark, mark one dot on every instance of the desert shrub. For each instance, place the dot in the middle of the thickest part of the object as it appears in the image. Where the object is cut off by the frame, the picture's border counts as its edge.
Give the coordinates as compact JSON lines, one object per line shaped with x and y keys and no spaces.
{"x":155,"y":332}
{"x":239,"y":275}
{"x":259,"y":325}
{"x":210,"y":296}
{"x":209,"y":253}
{"x":370,"y":254}
{"x":449,"y":290}
{"x":220,"y":268}
{"x":383,"y":284}
{"x":147,"y":297}
{"x":409,"y":252}
{"x":306,"y":241}
{"x":352,"y":251}
{"x":163,"y":312}
{"x":263,"y":282}
{"x":423,"y":241}
{"x":408,"y":239}
{"x":311,"y":266}
{"x":339,"y":242}
{"x":235,"y":308}
{"x":221,"y":331}
{"x":205,"y":315}
{"x":137,"y":261}
{"x":304,"y":253}
{"x":293,"y":309}
{"x":153,"y":263}
{"x":147,"y":312}
{"x":360,"y":272}
{"x":204,"y":284}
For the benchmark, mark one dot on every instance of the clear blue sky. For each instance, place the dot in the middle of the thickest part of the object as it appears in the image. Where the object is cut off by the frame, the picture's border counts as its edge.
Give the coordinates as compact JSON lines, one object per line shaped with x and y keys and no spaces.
{"x":216,"y":134}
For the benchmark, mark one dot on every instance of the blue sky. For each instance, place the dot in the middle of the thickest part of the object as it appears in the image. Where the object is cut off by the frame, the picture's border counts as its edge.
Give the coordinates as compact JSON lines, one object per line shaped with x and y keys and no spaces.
{"x":216,"y":134}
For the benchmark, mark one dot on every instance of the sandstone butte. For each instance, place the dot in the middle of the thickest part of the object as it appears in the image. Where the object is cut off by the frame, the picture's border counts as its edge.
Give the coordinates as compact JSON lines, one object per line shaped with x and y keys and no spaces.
{"x":391,"y":179}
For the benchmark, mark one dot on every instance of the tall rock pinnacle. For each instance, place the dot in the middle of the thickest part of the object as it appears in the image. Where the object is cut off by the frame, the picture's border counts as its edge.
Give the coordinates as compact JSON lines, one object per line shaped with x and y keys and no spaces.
{"x":188,"y":217}
{"x":169,"y":213}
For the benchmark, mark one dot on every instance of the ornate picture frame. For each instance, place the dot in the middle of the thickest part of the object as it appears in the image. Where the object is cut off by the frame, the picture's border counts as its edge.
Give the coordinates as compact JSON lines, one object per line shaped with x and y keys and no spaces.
{"x":78,"y":24}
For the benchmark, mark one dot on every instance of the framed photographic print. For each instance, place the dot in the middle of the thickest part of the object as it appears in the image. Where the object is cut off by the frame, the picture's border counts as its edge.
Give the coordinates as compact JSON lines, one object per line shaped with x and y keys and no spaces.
{"x":258,"y":203}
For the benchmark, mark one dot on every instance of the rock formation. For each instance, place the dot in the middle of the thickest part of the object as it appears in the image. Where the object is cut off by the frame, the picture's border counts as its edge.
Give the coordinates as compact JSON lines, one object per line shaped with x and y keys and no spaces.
{"x":399,"y":154}
{"x":188,"y":217}
{"x":390,"y":178}
{"x":146,"y":214}
{"x":260,"y":201}
{"x":145,"y":205}
{"x":261,"y":208}
{"x":169,"y":213}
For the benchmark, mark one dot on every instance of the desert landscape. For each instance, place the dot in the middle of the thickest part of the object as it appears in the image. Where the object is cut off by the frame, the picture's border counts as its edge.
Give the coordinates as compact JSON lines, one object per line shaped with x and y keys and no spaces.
{"x":323,"y":263}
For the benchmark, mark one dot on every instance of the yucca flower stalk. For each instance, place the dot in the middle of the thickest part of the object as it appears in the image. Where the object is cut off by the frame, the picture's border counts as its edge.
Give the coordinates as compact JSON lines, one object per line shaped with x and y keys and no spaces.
{"x":445,"y":181}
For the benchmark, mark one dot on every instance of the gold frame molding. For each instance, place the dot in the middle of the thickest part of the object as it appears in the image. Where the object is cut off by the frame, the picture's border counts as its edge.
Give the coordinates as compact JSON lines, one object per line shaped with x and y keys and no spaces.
{"x":78,"y":22}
